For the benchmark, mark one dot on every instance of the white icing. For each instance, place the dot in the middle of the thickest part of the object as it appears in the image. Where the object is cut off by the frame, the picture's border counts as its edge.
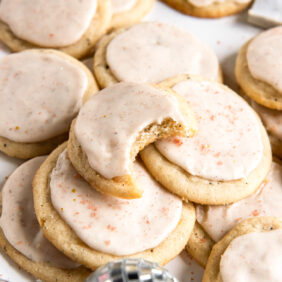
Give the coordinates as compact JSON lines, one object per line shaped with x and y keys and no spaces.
{"x":272,"y":119}
{"x":109,"y":123}
{"x":221,"y":149}
{"x":218,"y":220}
{"x":120,"y":6}
{"x":143,"y":53}
{"x":113,"y":225}
{"x":40,"y":94}
{"x":18,"y":220}
{"x":264,"y":57}
{"x":48,"y":23}
{"x":253,"y":257}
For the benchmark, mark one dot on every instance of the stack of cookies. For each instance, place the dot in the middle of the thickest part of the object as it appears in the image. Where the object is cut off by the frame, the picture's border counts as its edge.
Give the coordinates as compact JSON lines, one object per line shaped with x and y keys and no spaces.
{"x":258,"y":72}
{"x":164,"y":157}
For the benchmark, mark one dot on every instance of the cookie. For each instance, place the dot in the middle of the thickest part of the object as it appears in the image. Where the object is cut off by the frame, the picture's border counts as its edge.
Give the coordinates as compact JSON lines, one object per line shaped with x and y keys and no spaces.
{"x":272,"y":120}
{"x":71,"y":27}
{"x":104,"y":141}
{"x":20,"y":235}
{"x":35,"y":115}
{"x":259,"y":74}
{"x":245,"y":245}
{"x":199,"y":245}
{"x":209,"y":8}
{"x":142,"y":53}
{"x":213,"y":222}
{"x":204,"y":169}
{"x":129,"y":12}
{"x":64,"y":238}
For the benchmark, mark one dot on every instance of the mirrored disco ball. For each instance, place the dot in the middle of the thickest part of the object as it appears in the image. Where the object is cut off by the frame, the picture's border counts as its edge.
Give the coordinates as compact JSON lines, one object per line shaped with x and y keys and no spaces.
{"x":133,"y":270}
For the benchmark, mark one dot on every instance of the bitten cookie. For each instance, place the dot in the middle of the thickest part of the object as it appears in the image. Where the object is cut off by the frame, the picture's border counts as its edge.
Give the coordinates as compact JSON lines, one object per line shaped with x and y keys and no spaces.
{"x":129,"y":12}
{"x":258,"y":69}
{"x":70,"y":26}
{"x":155,"y":227}
{"x":213,"y":222}
{"x":219,"y":165}
{"x":118,"y":122}
{"x":251,"y":251}
{"x":142,"y":53}
{"x":41,"y":92}
{"x":209,"y":8}
{"x":20,"y":235}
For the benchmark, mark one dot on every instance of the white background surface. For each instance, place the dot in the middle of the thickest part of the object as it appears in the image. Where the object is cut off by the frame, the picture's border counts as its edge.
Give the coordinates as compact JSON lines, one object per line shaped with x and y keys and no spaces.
{"x":225,"y":36}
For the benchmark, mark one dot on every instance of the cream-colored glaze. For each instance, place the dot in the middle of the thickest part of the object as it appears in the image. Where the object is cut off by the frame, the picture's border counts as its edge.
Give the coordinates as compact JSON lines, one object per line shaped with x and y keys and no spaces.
{"x":253,"y":257}
{"x":110,"y":122}
{"x":203,"y":3}
{"x":48,"y":23}
{"x":272,"y":119}
{"x":109,"y":224}
{"x":40,"y":94}
{"x":120,"y":6}
{"x":18,"y":220}
{"x":218,"y":220}
{"x":264,"y":57}
{"x":221,"y":149}
{"x":143,"y":53}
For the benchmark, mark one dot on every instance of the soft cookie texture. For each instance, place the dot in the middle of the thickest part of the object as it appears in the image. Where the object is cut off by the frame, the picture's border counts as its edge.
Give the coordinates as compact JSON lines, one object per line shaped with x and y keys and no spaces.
{"x":63,"y":237}
{"x":212,"y":9}
{"x":152,"y":46}
{"x":129,"y":15}
{"x":98,"y":26}
{"x":106,"y":164}
{"x":259,"y":224}
{"x":20,"y":246}
{"x":17,"y":143}
{"x":258,"y":90}
{"x":205,"y":190}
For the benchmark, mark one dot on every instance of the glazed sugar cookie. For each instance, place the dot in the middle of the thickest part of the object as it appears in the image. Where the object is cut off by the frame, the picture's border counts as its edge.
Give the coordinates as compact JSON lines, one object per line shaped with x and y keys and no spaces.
{"x":272,"y":120}
{"x":215,"y":221}
{"x":219,"y":165}
{"x":251,"y":251}
{"x":41,"y":92}
{"x":128,"y":12}
{"x":142,"y":53}
{"x":258,"y":69}
{"x":155,"y":227}
{"x":20,"y":235}
{"x":209,"y":8}
{"x":70,"y":26}
{"x":113,"y":126}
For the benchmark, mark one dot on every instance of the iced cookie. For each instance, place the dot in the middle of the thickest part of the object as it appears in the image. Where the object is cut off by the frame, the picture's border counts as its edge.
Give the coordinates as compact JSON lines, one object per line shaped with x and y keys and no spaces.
{"x":153,"y":227}
{"x":272,"y":120}
{"x":142,"y":53}
{"x":219,"y":165}
{"x":20,"y":235}
{"x":129,"y":12}
{"x":209,"y":8}
{"x":213,"y":222}
{"x":41,"y":91}
{"x":70,"y":26}
{"x":251,"y":251}
{"x":118,"y":122}
{"x":259,"y":68}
